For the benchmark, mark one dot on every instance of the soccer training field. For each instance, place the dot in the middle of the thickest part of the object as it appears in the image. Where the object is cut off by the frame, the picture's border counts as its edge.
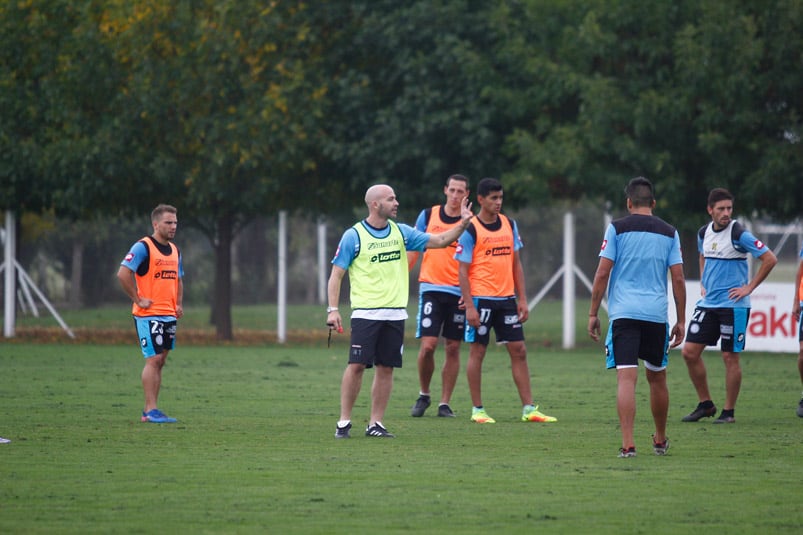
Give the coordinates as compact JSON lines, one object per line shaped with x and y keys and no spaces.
{"x":254,"y":451}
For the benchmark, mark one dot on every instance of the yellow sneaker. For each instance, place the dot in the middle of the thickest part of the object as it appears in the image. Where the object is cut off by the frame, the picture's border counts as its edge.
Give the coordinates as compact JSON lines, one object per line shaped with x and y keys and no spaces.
{"x":532,"y":415}
{"x":481,"y":417}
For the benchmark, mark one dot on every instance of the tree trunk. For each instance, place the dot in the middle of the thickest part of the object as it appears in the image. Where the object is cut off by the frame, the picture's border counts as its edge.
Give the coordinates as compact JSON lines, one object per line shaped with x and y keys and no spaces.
{"x":221,"y":306}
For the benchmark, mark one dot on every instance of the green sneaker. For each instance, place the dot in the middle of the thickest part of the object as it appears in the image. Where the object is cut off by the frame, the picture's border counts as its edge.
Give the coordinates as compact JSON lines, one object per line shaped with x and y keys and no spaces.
{"x":531,"y":414}
{"x":481,"y":417}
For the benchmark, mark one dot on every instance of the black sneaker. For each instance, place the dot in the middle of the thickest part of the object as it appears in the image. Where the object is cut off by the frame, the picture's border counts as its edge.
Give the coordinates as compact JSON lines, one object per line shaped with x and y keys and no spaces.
{"x":800,"y":408}
{"x":343,"y":432}
{"x":421,"y":405}
{"x":703,"y":410}
{"x":627,"y":453}
{"x":660,"y":448}
{"x":377,"y":430}
{"x":445,"y":411}
{"x":726,"y":417}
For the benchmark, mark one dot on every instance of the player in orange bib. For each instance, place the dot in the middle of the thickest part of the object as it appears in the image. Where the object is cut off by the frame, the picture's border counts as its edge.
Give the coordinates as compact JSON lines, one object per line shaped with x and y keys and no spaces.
{"x":491,"y":281}
{"x":440,"y":305}
{"x":151,"y":275}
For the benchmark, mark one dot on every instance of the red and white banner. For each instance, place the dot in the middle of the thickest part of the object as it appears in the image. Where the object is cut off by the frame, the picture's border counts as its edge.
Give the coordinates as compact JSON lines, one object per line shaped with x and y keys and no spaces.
{"x":772,"y":325}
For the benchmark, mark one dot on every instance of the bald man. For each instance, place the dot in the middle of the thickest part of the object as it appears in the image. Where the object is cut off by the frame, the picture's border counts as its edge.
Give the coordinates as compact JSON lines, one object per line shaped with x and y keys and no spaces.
{"x":374,"y":251}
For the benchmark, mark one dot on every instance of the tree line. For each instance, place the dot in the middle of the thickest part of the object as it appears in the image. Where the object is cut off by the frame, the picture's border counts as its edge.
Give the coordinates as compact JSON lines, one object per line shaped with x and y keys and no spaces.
{"x":234,"y":109}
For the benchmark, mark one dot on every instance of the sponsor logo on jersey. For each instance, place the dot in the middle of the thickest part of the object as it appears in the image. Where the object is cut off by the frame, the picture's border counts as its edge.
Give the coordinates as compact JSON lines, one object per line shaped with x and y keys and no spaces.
{"x":129,"y":257}
{"x":166,"y":274}
{"x":498,"y":251}
{"x":392,"y":256}
{"x":393,"y":242}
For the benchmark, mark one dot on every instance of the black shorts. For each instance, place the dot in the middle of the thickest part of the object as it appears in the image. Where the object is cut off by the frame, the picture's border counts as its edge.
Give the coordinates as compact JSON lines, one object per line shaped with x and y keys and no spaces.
{"x":708,"y":325}
{"x":438,"y":313}
{"x":500,"y":314}
{"x":377,"y":342}
{"x":629,"y":340}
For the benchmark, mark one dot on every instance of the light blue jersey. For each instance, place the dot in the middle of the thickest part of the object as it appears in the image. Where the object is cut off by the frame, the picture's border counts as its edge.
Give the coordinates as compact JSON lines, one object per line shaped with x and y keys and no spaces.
{"x":642,"y":248}
{"x":725,"y":252}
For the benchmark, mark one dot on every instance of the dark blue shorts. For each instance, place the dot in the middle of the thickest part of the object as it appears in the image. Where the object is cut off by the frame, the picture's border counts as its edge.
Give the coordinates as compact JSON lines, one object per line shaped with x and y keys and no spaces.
{"x":501,"y":315}
{"x":376,"y":342}
{"x":709,"y":325}
{"x":438,"y":313}
{"x":629,"y":340}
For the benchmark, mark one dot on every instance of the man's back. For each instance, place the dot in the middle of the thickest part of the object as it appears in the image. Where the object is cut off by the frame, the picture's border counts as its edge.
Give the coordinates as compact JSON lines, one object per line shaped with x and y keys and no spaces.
{"x":642,"y":248}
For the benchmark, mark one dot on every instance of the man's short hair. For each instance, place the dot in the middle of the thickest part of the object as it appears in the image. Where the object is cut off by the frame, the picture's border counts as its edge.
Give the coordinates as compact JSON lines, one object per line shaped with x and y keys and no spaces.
{"x":719,"y":194}
{"x":459,"y":178}
{"x":487,"y":185}
{"x":156,"y":215}
{"x":640,"y":192}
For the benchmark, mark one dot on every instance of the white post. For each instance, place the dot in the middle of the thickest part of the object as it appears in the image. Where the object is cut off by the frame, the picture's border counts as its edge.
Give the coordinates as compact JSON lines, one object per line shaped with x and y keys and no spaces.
{"x":281,"y":327}
{"x":9,"y":318}
{"x":322,"y":261}
{"x":568,"y":281}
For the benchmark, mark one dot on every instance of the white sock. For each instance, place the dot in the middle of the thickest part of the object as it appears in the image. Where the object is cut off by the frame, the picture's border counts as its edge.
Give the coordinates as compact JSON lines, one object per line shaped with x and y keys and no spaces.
{"x":343,"y":423}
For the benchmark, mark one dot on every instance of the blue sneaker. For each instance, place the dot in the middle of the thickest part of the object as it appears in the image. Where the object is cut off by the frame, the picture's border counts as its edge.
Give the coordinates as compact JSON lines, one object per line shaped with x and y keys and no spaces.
{"x":155,"y":416}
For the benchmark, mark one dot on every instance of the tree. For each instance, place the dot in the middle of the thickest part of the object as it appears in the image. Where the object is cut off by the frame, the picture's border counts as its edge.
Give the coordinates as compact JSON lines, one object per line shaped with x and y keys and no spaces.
{"x":225,"y":103}
{"x":693,"y":95}
{"x":409,"y":98}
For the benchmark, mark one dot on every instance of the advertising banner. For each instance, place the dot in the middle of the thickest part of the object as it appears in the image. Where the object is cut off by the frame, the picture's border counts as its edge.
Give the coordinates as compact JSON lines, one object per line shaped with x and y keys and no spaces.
{"x":772,"y":325}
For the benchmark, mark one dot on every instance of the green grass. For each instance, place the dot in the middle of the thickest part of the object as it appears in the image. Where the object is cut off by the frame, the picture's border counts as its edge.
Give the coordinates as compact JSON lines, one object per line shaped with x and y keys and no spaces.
{"x":254,"y":450}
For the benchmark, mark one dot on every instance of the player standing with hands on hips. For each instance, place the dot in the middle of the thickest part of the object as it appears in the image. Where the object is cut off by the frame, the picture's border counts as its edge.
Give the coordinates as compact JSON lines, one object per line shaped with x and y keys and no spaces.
{"x":440,"y":306}
{"x":636,"y":253}
{"x":151,"y":274}
{"x":491,"y":280}
{"x":374,"y":252}
{"x":724,"y":310}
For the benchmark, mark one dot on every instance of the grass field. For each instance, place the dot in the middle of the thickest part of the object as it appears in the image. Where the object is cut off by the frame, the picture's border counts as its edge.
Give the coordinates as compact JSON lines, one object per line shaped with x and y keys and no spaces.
{"x":254,"y":451}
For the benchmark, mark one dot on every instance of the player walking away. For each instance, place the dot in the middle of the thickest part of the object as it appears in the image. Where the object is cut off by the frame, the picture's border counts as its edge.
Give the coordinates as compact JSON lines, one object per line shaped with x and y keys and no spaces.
{"x":491,"y":280}
{"x":796,"y":310}
{"x":724,"y":309}
{"x":636,"y":253}
{"x":440,"y":308}
{"x":374,"y":251}
{"x":151,"y":274}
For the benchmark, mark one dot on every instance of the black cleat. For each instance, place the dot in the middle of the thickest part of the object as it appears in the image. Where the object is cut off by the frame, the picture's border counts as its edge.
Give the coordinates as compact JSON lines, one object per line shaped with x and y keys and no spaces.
{"x":421,"y":404}
{"x":703,"y":410}
{"x":726,"y":417}
{"x":445,"y":411}
{"x":343,"y":432}
{"x":377,"y":430}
